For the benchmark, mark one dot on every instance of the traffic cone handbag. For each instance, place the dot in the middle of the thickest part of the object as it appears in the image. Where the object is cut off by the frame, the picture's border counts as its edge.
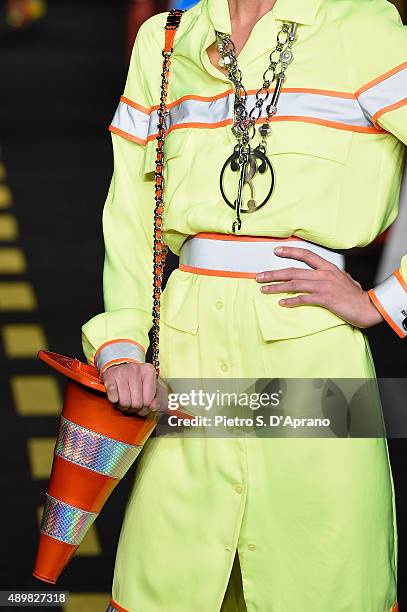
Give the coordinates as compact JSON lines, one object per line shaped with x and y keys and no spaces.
{"x":97,"y":443}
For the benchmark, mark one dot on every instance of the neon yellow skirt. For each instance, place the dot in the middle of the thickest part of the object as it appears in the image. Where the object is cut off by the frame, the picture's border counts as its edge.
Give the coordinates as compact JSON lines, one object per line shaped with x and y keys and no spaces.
{"x":312,"y":520}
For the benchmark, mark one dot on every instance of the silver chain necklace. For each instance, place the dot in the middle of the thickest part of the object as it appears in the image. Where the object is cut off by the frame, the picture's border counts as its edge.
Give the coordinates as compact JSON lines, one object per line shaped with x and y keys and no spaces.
{"x":244,"y":159}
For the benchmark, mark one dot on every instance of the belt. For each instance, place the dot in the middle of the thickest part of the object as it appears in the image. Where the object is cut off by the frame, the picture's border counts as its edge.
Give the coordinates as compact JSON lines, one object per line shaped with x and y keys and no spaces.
{"x":244,"y":256}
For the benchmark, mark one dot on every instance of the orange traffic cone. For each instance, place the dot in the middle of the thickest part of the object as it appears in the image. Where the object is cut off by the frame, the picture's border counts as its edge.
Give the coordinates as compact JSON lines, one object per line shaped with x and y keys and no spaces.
{"x":96,"y":445}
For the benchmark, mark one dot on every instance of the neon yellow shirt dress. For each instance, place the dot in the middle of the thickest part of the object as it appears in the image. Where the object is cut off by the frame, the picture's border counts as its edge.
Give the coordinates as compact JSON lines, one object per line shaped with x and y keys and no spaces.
{"x":311,"y":521}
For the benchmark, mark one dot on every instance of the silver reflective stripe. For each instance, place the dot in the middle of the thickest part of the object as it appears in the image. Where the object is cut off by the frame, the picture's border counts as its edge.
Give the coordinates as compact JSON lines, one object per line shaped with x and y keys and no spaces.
{"x":65,"y":522}
{"x":248,"y":256}
{"x":392,"y":297}
{"x":391,"y":90}
{"x":131,"y":121}
{"x":200,"y":111}
{"x":323,"y":107}
{"x":94,"y":451}
{"x":118,"y":350}
{"x":219,"y":111}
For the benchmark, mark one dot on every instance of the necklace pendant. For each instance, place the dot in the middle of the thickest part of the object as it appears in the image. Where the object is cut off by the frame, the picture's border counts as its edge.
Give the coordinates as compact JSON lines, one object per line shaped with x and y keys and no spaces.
{"x":248,"y":164}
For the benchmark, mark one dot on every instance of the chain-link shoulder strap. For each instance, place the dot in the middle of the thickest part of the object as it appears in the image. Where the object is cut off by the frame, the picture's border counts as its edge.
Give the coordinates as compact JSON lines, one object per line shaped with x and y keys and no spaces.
{"x":160,"y":248}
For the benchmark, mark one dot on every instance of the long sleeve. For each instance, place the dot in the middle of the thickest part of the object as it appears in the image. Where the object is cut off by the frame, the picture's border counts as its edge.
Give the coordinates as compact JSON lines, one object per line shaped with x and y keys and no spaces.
{"x":381,"y":77}
{"x":120,"y":334}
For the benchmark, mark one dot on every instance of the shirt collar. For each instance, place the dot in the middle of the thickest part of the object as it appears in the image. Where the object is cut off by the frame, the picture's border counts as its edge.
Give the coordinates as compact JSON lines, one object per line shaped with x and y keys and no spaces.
{"x":300,"y":11}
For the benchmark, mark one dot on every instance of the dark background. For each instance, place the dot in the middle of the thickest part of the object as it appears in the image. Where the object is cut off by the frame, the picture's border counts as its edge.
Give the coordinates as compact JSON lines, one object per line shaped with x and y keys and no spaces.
{"x":59,"y":84}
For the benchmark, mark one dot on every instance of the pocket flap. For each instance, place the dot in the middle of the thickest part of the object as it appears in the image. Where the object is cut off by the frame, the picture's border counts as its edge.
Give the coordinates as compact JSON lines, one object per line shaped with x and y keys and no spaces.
{"x":179,"y":303}
{"x":311,"y":139}
{"x":174,"y":146}
{"x":279,"y":323}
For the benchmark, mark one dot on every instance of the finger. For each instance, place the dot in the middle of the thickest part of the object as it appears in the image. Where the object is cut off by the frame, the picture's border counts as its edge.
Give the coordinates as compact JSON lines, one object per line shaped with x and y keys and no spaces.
{"x":293,"y":286}
{"x":136,"y":390}
{"x":149,"y":383}
{"x":124,"y":399}
{"x":291,"y":273}
{"x":160,"y":401}
{"x":307,"y":256}
{"x":314,"y":299}
{"x":143,"y":412}
{"x":111,"y":389}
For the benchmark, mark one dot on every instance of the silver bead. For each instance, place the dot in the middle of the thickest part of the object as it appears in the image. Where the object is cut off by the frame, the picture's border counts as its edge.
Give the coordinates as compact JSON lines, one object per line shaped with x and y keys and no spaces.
{"x":237,"y":131}
{"x":287,"y":56}
{"x":271,"y":109}
{"x":264,"y":130}
{"x":225,"y":61}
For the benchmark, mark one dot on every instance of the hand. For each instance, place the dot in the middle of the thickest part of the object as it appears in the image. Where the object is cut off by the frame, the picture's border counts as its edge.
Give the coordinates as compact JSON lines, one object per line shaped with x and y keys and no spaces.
{"x":132,"y":387}
{"x":325,"y":285}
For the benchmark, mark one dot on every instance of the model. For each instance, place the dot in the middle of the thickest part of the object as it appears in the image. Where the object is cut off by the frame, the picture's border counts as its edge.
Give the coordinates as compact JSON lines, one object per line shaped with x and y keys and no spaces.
{"x":285,"y":123}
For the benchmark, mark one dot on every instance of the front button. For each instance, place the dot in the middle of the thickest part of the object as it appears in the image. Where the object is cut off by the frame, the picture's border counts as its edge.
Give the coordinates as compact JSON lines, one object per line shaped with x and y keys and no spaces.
{"x":252,"y":546}
{"x":239,"y":489}
{"x":224,"y":367}
{"x":219,"y":305}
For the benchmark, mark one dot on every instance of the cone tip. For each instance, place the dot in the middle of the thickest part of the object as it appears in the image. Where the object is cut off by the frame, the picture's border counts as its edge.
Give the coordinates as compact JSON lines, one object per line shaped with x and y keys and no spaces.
{"x":43,"y":578}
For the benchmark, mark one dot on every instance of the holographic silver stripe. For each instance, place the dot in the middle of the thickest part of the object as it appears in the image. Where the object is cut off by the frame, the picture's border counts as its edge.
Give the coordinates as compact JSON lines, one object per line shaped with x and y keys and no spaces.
{"x":94,"y":451}
{"x":64,"y":522}
{"x":111,"y":608}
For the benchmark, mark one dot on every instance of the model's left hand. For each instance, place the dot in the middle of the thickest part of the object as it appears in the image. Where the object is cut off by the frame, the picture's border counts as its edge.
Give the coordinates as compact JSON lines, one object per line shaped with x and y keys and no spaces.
{"x":325,"y":285}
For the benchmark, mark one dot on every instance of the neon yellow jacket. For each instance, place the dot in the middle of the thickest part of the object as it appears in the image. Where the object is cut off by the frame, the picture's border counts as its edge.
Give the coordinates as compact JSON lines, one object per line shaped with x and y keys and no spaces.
{"x":337,"y":147}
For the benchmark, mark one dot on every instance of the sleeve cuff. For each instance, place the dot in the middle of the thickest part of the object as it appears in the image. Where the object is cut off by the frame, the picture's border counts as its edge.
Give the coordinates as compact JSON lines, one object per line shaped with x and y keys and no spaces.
{"x":119,"y":351}
{"x":390,"y":298}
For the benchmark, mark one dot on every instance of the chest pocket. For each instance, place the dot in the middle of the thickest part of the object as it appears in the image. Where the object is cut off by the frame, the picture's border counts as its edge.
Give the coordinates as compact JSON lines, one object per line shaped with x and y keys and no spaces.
{"x":310,"y":139}
{"x":311,"y":165}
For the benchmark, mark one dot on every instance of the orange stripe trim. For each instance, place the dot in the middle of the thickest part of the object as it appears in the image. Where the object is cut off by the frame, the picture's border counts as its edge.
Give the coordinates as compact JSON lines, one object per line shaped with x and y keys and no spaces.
{"x":127,"y":340}
{"x":118,"y":606}
{"x":224,"y":273}
{"x":143,"y":109}
{"x":120,"y":132}
{"x":224,"y":94}
{"x":381,"y":78}
{"x":333,"y":124}
{"x":217,"y":236}
{"x":395,"y":608}
{"x":208,"y":126}
{"x":113,"y":361}
{"x":326,"y":123}
{"x":387,"y":109}
{"x":401,"y":280}
{"x":319,"y":92}
{"x":385,"y":314}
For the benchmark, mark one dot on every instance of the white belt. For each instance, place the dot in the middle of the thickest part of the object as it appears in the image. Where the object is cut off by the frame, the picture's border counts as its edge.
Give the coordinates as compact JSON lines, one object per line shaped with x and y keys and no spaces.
{"x":244,"y":256}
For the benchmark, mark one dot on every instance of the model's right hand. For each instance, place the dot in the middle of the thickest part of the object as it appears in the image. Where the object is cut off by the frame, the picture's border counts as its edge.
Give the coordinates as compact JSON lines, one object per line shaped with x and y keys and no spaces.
{"x":131,"y":387}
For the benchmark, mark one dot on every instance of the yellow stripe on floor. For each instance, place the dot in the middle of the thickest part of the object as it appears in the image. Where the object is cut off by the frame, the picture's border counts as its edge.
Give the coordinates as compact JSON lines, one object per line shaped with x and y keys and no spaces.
{"x":36,"y":395}
{"x":6,"y":199}
{"x":8,"y":227}
{"x":12,"y":261}
{"x":40,"y":455}
{"x":87,"y":602}
{"x":23,"y":340}
{"x":17,"y":295}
